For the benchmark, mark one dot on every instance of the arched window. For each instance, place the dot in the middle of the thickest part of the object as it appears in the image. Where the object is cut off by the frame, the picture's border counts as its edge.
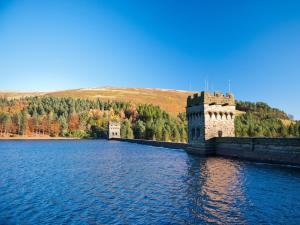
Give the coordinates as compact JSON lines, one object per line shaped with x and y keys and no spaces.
{"x":220,"y":133}
{"x":221,"y":115}
{"x":226,"y":116}
{"x":193,"y":133}
{"x":231,"y":115}
{"x":210,"y":114}
{"x":216,"y":115}
{"x":198,"y":132}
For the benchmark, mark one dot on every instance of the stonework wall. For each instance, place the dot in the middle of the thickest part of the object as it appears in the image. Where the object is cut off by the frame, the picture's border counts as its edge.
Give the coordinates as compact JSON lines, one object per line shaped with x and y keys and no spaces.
{"x":210,"y":115}
{"x":195,"y":116}
{"x":163,"y":144}
{"x":219,"y":121}
{"x":114,"y":130}
{"x":216,"y":98}
{"x":273,"y":150}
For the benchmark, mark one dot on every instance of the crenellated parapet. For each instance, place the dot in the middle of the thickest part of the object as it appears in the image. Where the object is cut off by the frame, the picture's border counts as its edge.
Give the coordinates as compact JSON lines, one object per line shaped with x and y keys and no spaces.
{"x":210,"y":115}
{"x":215,"y":98}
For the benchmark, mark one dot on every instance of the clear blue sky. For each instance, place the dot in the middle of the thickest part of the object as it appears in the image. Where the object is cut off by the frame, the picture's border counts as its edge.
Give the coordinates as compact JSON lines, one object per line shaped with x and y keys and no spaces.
{"x":59,"y":44}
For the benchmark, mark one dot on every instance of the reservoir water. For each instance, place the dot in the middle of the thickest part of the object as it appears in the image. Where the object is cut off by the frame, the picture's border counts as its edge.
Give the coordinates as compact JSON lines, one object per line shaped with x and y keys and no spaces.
{"x":102,"y":182}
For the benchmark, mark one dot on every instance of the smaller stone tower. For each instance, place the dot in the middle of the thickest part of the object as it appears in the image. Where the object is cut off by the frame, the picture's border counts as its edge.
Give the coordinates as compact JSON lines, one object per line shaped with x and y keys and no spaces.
{"x":210,"y":115}
{"x":114,"y":130}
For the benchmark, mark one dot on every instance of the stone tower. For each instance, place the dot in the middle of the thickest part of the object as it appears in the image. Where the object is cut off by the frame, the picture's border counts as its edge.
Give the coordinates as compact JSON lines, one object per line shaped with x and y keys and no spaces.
{"x":114,"y":130}
{"x":210,"y":115}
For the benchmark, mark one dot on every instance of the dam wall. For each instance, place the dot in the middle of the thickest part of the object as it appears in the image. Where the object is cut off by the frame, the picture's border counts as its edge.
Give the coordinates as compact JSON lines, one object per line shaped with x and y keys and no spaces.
{"x":155,"y":143}
{"x":272,"y":150}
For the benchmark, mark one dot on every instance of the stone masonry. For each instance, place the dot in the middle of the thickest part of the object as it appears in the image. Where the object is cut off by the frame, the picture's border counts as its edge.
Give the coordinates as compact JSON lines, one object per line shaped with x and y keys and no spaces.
{"x":114,"y":130}
{"x":210,"y":115}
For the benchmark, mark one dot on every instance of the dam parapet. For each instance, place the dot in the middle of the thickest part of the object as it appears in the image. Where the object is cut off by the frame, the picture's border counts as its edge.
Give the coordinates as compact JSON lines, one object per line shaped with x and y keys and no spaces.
{"x":273,"y":150}
{"x":270,"y":150}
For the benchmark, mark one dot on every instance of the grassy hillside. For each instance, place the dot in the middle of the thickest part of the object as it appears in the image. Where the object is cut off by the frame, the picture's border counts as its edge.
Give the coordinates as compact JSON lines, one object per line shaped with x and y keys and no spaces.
{"x":172,"y":101}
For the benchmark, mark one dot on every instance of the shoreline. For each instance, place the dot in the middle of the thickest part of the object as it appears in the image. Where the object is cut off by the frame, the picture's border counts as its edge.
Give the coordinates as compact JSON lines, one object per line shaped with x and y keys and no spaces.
{"x":37,"y":138}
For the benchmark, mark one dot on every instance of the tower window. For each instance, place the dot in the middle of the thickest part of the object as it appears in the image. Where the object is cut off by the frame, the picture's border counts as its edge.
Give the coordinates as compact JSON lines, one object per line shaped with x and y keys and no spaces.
{"x":221,"y":115}
{"x":193,"y":133}
{"x":216,"y":115}
{"x":198,"y":132}
{"x":220,"y":133}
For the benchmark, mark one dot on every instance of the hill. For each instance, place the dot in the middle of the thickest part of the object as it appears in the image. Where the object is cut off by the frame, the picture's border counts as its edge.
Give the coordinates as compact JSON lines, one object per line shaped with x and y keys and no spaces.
{"x":144,"y":113}
{"x":261,"y":120}
{"x":172,"y":101}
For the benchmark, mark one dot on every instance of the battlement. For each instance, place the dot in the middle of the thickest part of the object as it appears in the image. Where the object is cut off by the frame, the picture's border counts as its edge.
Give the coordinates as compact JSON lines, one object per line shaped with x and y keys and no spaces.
{"x":215,"y":98}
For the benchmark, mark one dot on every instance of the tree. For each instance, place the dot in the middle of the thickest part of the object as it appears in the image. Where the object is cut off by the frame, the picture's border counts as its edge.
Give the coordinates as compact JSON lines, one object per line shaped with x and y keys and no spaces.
{"x":157,"y":129}
{"x":166,"y":134}
{"x":73,"y":122}
{"x":35,"y":117}
{"x":182,"y":117}
{"x":126,"y":130}
{"x":139,"y":129}
{"x":283,"y":130}
{"x":6,"y":121}
{"x":149,"y":131}
{"x":23,"y":122}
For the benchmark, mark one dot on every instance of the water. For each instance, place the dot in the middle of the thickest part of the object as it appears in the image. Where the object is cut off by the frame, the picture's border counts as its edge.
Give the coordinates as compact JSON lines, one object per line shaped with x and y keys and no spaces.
{"x":101,"y":182}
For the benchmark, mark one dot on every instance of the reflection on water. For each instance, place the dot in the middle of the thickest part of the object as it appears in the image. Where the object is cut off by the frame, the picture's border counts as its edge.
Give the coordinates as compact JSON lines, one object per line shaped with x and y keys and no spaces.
{"x":101,"y":182}
{"x":219,"y":188}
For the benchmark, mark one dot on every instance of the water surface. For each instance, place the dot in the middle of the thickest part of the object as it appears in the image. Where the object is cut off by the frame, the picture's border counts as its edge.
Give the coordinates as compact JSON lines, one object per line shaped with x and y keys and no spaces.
{"x":101,"y":182}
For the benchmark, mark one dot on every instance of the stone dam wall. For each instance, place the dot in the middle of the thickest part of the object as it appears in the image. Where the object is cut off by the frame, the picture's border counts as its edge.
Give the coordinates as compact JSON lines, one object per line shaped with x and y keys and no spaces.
{"x":155,"y":143}
{"x":272,"y":150}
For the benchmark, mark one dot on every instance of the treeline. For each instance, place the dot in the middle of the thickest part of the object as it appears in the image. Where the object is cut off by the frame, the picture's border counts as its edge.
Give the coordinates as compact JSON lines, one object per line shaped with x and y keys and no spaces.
{"x":83,"y":118}
{"x":261,"y":120}
{"x":69,"y":117}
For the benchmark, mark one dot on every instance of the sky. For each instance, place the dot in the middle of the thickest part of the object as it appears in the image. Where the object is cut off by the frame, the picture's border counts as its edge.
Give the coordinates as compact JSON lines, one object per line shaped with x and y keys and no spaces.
{"x":68,"y":44}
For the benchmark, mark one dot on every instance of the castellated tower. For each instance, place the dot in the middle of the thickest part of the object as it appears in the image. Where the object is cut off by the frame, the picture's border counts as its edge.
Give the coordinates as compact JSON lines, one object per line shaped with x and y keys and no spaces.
{"x":210,"y":115}
{"x":114,"y":129}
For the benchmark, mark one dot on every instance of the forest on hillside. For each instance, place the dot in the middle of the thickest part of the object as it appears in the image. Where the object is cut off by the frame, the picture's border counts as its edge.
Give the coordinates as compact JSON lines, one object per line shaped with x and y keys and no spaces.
{"x":83,"y":118}
{"x":261,"y":120}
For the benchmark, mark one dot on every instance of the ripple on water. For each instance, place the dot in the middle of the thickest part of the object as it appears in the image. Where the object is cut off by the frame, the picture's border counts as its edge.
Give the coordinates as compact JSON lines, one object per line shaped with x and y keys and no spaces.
{"x":101,"y":182}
